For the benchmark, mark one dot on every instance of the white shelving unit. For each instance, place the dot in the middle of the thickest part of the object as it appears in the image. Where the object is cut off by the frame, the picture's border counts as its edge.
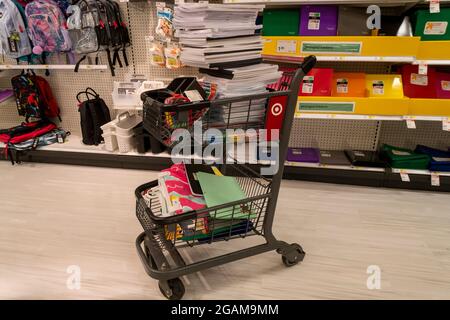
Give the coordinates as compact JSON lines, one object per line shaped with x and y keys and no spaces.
{"x":52,"y":66}
{"x":335,"y":167}
{"x":334,"y":116}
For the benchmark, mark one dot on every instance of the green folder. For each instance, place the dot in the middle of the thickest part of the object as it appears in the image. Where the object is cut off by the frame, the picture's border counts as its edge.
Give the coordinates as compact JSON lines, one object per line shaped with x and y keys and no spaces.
{"x":281,"y":22}
{"x":219,"y":190}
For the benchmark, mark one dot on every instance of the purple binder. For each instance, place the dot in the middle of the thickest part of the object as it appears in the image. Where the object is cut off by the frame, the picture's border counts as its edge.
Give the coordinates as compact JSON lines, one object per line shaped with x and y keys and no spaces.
{"x":318,"y":21}
{"x":310,"y":155}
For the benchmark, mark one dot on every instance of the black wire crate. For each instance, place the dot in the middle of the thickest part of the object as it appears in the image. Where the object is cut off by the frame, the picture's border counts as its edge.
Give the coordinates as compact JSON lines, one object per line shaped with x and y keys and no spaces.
{"x":237,"y":219}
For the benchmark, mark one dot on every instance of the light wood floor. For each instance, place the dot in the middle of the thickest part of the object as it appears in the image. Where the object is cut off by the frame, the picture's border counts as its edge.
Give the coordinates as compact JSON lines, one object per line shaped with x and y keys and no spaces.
{"x":54,"y":216}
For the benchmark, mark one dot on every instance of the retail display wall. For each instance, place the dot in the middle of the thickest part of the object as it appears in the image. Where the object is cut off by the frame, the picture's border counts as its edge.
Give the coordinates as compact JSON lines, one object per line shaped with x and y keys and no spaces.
{"x":330,"y":132}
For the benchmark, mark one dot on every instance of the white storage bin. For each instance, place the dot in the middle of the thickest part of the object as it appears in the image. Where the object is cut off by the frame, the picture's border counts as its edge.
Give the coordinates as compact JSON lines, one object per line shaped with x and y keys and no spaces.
{"x":110,"y":141}
{"x":125,"y":122}
{"x":126,"y":143}
{"x":125,"y":95}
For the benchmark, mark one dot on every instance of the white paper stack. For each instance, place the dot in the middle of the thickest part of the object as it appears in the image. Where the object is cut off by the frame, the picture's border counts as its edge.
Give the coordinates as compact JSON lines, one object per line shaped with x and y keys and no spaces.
{"x":216,"y":34}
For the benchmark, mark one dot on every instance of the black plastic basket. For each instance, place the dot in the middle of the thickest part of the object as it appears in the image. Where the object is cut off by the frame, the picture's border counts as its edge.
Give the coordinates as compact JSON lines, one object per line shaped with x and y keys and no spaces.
{"x":232,"y":220}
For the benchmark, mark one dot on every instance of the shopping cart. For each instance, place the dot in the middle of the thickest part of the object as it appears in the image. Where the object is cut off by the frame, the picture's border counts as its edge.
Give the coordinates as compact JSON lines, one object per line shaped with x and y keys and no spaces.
{"x":158,"y":246}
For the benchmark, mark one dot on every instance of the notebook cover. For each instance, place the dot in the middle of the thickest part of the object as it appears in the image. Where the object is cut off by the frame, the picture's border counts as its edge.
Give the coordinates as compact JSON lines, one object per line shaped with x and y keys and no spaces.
{"x":317,"y":82}
{"x":191,"y":174}
{"x":348,"y":84}
{"x":384,"y":86}
{"x":318,"y":20}
{"x":280,"y":22}
{"x":219,"y":190}
{"x":353,"y":21}
{"x":310,"y":155}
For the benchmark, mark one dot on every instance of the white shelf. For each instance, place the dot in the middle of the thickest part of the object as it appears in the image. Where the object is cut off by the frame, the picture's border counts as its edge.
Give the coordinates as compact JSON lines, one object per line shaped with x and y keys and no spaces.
{"x":396,"y":59}
{"x":420,"y":172}
{"x":432,"y":62}
{"x":366,"y":117}
{"x":52,"y":66}
{"x":336,"y":167}
{"x":297,"y":2}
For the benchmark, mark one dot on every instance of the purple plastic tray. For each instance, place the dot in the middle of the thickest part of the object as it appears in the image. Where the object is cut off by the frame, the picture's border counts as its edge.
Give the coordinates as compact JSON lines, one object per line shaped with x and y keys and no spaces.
{"x":310,"y":155}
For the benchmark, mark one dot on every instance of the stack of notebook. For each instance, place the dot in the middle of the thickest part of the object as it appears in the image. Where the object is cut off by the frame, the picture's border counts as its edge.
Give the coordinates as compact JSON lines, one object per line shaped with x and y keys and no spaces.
{"x":218,"y":35}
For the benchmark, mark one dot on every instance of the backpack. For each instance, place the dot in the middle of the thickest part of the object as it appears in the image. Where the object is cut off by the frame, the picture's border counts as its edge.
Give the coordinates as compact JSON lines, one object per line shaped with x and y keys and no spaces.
{"x":47,"y":27}
{"x":48,"y":101}
{"x":34,"y":97}
{"x":13,"y":34}
{"x":96,"y":25}
{"x":94,"y":113}
{"x":27,"y":97}
{"x":24,"y":132}
{"x":51,"y":137}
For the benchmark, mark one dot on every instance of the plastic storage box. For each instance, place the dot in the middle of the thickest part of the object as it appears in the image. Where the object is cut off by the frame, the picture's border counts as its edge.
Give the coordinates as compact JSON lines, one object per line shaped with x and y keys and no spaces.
{"x":280,"y":22}
{"x":416,"y":85}
{"x":442,"y":85}
{"x":347,"y":84}
{"x":432,"y":26}
{"x":118,"y":134}
{"x":310,"y":155}
{"x":384,"y":86}
{"x":318,"y":20}
{"x":318,"y":82}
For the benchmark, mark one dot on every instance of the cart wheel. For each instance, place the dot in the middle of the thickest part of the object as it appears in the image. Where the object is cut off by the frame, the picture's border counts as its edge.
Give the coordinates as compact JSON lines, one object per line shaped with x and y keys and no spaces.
{"x":176,"y":291}
{"x":294,"y":257}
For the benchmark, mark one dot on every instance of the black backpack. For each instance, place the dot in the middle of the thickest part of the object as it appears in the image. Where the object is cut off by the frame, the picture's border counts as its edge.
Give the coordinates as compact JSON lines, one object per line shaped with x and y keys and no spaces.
{"x":94,"y":113}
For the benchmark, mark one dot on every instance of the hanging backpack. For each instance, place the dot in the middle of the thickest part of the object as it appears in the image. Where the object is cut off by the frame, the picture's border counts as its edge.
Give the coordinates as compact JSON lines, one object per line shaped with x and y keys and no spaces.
{"x":27,"y":97}
{"x":34,"y":97}
{"x":13,"y":35}
{"x":47,"y":99}
{"x":123,"y":35}
{"x":94,"y":113}
{"x":47,"y":27}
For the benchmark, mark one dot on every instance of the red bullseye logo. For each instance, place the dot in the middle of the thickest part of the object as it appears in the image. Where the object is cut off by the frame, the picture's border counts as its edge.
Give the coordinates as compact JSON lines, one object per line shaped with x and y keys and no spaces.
{"x":277,"y":109}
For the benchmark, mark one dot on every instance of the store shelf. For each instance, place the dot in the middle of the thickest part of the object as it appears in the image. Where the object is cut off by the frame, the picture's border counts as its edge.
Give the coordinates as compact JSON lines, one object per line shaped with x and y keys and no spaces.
{"x":333,"y":167}
{"x":299,"y":2}
{"x":421,"y":172}
{"x":52,"y":67}
{"x":433,"y":53}
{"x":333,"y":116}
{"x":354,"y":106}
{"x":375,"y":49}
{"x":430,"y":107}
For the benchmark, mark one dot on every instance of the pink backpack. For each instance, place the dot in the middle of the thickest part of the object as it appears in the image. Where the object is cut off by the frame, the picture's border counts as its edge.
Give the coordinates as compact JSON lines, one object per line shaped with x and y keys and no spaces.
{"x":47,"y":27}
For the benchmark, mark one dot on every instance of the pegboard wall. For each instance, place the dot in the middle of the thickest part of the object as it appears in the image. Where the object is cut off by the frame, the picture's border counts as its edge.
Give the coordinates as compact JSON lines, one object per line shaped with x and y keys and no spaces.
{"x":141,"y":16}
{"x":429,"y":133}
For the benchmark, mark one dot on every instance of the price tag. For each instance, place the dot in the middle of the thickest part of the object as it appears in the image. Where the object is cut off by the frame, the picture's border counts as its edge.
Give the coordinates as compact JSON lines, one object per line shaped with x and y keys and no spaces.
{"x":405,"y":177}
{"x":435,"y":180}
{"x":435,"y":6}
{"x":423,"y":69}
{"x":411,"y":124}
{"x":287,"y":46}
{"x":446,"y":124}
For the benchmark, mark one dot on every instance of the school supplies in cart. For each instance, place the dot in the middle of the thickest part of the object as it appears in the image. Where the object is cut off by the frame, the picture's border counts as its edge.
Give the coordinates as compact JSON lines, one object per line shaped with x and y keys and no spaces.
{"x":254,"y":212}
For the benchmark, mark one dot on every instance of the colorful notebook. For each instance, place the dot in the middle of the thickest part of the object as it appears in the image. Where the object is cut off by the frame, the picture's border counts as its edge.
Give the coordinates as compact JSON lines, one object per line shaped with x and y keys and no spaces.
{"x":219,"y":190}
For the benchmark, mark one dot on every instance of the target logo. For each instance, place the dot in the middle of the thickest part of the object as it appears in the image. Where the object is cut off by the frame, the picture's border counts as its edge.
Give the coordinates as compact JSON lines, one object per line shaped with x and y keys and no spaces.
{"x":277,"y":109}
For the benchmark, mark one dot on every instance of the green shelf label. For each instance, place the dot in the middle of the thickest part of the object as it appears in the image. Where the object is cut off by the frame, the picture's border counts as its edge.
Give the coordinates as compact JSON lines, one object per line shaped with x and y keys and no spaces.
{"x":326,"y":107}
{"x":331,"y":47}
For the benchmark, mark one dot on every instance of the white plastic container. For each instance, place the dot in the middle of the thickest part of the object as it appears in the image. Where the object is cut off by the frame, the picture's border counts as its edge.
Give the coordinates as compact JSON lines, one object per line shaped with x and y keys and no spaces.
{"x":125,"y":95}
{"x":126,"y":143}
{"x":118,"y":133}
{"x":110,"y":141}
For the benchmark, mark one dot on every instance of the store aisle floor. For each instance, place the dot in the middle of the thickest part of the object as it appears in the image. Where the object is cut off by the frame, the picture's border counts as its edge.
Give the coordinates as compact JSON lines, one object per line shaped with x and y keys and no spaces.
{"x":55,"y":219}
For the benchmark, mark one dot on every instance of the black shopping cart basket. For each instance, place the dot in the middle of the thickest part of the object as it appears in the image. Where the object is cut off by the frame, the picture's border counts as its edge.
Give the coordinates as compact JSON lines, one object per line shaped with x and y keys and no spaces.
{"x":158,"y":246}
